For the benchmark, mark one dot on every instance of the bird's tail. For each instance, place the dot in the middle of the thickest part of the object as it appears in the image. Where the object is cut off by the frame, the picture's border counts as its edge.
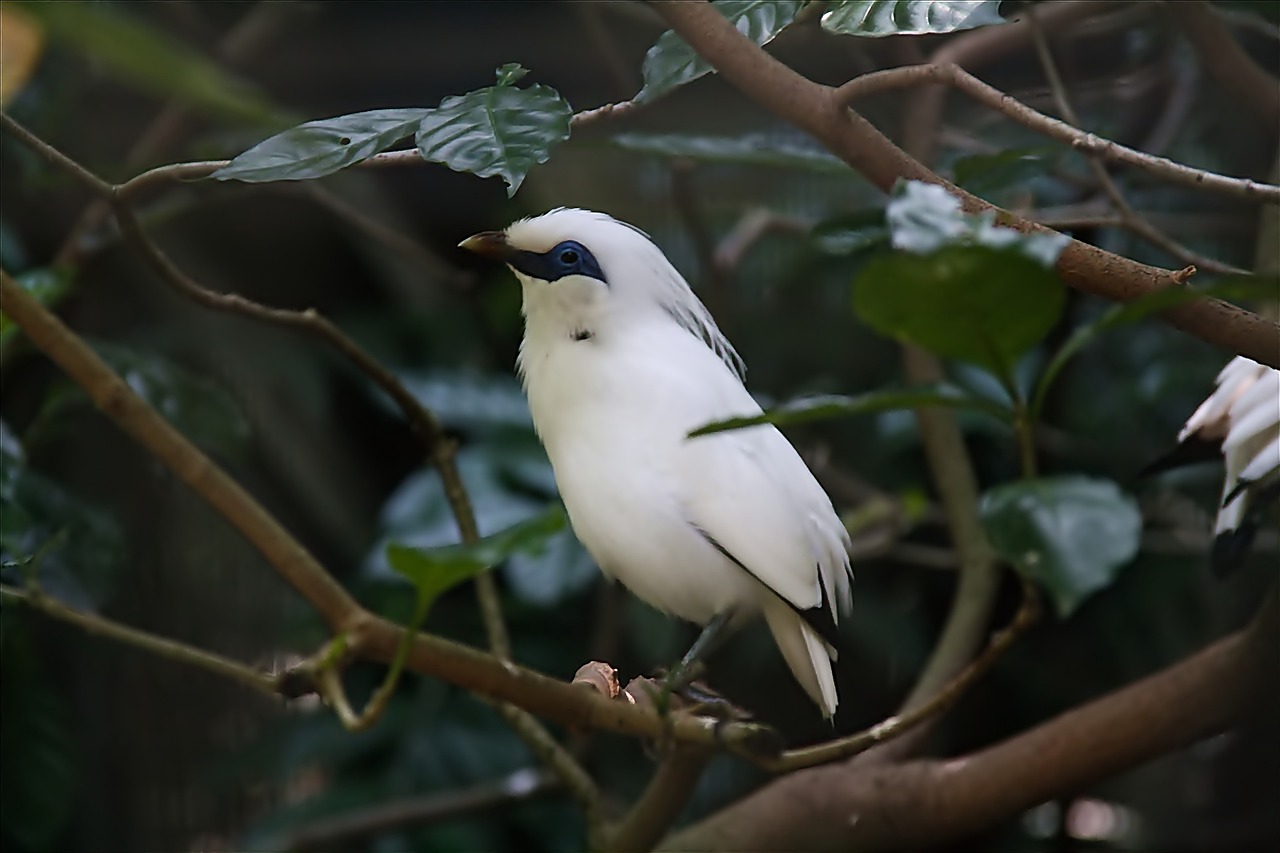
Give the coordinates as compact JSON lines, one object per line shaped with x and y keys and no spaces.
{"x":808,"y":655}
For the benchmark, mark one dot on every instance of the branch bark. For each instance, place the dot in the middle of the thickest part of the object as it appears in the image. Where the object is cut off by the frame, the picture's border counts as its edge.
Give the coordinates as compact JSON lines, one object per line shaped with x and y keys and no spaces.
{"x":911,"y":806}
{"x":816,"y":109}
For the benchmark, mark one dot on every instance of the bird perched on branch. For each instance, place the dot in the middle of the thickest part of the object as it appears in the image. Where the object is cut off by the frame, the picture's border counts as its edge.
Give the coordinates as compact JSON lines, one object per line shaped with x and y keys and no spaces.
{"x":1243,"y":416}
{"x":620,"y":361}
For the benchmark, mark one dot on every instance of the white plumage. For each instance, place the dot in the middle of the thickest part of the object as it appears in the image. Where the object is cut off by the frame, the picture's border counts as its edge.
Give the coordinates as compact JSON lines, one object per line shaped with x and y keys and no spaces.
{"x":1243,"y":413}
{"x":620,"y":362}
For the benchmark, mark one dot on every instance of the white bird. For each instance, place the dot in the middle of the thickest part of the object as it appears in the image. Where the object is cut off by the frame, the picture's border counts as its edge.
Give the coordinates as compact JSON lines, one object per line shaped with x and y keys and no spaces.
{"x":620,"y":361}
{"x":1243,"y":413}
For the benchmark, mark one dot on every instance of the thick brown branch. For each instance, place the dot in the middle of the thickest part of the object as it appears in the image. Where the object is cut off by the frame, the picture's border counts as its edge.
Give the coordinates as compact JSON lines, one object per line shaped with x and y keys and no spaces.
{"x":663,"y":799}
{"x":119,"y":402}
{"x":915,"y":805}
{"x":1225,"y":60}
{"x":815,"y":109}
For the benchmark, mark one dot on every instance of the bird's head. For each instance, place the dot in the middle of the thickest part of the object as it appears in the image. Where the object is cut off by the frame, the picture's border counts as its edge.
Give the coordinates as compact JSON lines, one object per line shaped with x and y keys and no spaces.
{"x":585,"y":273}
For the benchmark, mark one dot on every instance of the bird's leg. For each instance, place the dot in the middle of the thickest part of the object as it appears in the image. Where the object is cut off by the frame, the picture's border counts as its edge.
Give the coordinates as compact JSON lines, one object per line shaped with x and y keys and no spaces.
{"x":686,"y":670}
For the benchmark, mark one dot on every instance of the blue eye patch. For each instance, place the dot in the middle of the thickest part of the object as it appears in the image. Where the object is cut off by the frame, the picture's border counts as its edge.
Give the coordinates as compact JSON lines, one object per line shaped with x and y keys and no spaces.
{"x":567,"y":258}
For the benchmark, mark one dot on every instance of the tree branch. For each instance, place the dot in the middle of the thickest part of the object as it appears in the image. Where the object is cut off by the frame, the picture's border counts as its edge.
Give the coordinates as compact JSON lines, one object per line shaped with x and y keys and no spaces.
{"x":1129,"y":218}
{"x":161,"y":647}
{"x":815,"y":109}
{"x":120,"y":403}
{"x":918,"y":711}
{"x":368,"y":635}
{"x":1226,"y":61}
{"x":919,"y":804}
{"x":894,"y":79}
{"x":666,"y":795}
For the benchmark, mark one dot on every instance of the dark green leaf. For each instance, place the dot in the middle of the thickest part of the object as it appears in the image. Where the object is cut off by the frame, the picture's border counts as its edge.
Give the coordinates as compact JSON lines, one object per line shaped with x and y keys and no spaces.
{"x":671,"y":62}
{"x":908,"y":17}
{"x":751,"y":149}
{"x":1070,"y":534}
{"x":47,"y":285}
{"x":986,"y":173}
{"x":500,"y":130}
{"x":71,"y":548}
{"x":199,"y":407}
{"x":1231,"y":288}
{"x":38,"y":745}
{"x":808,"y":409}
{"x":983,"y":305}
{"x":151,"y":60}
{"x":851,"y":233}
{"x":436,"y":570}
{"x":320,"y":148}
{"x":511,"y":73}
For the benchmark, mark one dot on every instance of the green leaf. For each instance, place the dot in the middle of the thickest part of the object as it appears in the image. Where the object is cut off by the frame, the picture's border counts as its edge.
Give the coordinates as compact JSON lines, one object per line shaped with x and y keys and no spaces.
{"x":1070,"y":534}
{"x":435,"y":570}
{"x":151,"y":60}
{"x":1233,"y":288}
{"x":851,"y":233}
{"x":924,"y":217}
{"x":38,"y":739}
{"x":72,"y":548}
{"x":824,"y":407}
{"x":199,"y":407}
{"x":500,"y":130}
{"x":511,"y":73}
{"x":908,"y":17}
{"x":987,"y":173}
{"x":751,"y":149}
{"x":671,"y":62}
{"x":47,"y":284}
{"x":987,"y":306}
{"x":322,"y":147}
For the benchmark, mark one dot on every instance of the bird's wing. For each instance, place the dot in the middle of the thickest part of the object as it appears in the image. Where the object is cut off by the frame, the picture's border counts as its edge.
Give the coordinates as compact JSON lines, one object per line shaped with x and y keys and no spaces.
{"x":753,"y":496}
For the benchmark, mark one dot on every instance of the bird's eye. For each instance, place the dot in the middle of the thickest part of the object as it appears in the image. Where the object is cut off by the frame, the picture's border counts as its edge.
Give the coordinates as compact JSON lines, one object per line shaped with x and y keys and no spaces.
{"x":568,"y":256}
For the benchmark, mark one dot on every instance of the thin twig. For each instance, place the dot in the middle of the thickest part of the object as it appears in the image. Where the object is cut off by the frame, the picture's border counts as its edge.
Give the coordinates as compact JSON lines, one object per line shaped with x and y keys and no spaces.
{"x":247,"y":36}
{"x":814,"y":108}
{"x":55,"y":157}
{"x":895,"y":79}
{"x":942,"y":701}
{"x":1128,"y":216}
{"x":162,"y":647}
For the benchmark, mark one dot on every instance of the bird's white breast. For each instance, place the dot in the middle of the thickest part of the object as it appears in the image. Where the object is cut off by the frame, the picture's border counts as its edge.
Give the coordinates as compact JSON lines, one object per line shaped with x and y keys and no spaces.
{"x":614,"y":413}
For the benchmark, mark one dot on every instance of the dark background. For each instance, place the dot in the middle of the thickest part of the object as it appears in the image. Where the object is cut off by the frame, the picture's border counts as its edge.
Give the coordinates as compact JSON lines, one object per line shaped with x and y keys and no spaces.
{"x":109,"y":748}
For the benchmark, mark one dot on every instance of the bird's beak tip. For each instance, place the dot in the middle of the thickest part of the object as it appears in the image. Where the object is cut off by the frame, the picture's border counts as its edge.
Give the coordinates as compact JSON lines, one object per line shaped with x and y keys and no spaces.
{"x":492,"y":244}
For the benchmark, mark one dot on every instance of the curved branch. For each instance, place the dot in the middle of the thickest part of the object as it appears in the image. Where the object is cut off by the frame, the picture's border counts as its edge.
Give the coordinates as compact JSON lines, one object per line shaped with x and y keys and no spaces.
{"x":919,"y":804}
{"x":815,"y":109}
{"x":162,"y":647}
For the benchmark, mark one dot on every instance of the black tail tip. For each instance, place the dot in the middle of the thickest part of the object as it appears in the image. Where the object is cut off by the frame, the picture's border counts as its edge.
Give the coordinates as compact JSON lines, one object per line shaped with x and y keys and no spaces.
{"x":1230,"y":548}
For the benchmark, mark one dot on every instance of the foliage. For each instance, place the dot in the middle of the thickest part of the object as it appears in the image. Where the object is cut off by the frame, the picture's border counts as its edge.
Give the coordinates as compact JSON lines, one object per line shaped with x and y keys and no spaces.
{"x":1087,"y":392}
{"x":908,"y":17}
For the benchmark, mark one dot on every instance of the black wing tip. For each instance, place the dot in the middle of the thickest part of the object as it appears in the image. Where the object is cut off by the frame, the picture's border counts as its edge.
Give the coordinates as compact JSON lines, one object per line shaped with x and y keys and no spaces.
{"x":1230,"y":549}
{"x":820,"y":618}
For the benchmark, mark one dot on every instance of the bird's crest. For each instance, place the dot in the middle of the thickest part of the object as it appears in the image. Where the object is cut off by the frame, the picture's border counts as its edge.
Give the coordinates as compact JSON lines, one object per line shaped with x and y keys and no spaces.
{"x":623,"y":243}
